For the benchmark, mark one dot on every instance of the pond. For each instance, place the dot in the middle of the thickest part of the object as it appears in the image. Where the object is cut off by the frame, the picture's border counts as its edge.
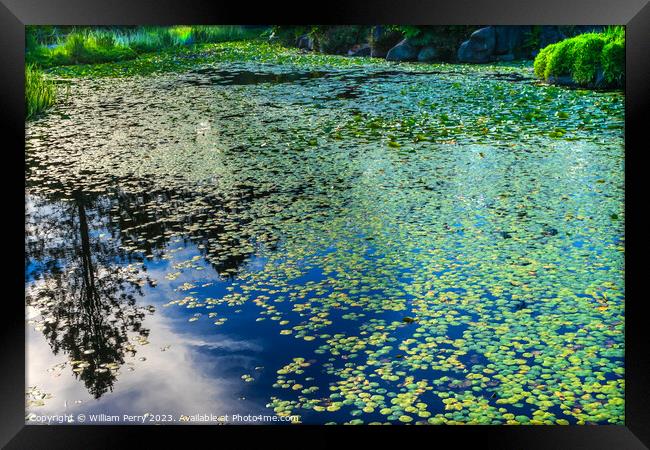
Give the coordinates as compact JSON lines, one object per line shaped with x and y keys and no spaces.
{"x":363,"y":244}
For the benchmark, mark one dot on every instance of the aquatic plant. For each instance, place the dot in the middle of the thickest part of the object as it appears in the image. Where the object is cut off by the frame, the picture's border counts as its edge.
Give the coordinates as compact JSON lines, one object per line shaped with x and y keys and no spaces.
{"x":40,"y":92}
{"x":438,"y":244}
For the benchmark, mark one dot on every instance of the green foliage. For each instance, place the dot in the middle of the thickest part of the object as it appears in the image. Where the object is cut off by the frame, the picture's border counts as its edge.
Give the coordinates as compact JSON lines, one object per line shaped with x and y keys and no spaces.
{"x":339,"y":39}
{"x":385,"y":40}
{"x":531,"y":39}
{"x":539,"y":66}
{"x":587,"y":51}
{"x":224,"y":33}
{"x":615,"y":32}
{"x":332,"y":39}
{"x":40,"y":93}
{"x":584,"y":56}
{"x":100,"y":45}
{"x":289,"y":34}
{"x":81,"y":47}
{"x":39,"y":35}
{"x":560,"y":60}
{"x":613,"y":61}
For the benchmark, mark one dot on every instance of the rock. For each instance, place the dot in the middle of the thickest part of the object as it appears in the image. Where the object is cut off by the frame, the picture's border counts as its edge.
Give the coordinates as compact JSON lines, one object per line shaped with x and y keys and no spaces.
{"x":305,"y":42}
{"x":507,"y":57}
{"x":509,"y":39}
{"x":562,"y":80}
{"x":427,"y":54}
{"x":360,"y":50}
{"x":479,"y":48}
{"x":403,"y":51}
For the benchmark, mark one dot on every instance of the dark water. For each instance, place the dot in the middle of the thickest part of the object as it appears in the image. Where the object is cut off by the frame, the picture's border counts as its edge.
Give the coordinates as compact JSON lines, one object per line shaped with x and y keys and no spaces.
{"x":339,"y":245}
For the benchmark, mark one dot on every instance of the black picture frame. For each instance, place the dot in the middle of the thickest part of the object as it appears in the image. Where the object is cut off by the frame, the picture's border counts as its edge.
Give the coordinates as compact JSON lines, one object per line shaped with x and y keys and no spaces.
{"x":15,"y":14}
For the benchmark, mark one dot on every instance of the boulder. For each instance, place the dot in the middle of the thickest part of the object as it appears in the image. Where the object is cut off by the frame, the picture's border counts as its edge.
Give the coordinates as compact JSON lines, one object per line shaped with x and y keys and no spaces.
{"x":360,"y":50}
{"x":562,"y":80}
{"x":479,"y":48}
{"x":509,"y":39}
{"x":428,"y":54}
{"x":403,"y":51}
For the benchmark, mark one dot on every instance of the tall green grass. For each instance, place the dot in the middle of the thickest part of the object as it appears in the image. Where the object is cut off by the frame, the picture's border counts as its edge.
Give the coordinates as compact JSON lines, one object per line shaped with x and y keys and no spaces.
{"x":48,"y":47}
{"x":584,"y":57}
{"x":99,"y":45}
{"x":40,"y":93}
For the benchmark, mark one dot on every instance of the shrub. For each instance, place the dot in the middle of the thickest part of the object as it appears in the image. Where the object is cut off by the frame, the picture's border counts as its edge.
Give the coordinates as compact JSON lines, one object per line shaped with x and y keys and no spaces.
{"x":584,"y":57}
{"x":560,"y":60}
{"x":75,"y":46}
{"x":587,"y":54}
{"x":339,"y":39}
{"x":40,"y":93}
{"x":613,"y":62}
{"x":539,"y":66}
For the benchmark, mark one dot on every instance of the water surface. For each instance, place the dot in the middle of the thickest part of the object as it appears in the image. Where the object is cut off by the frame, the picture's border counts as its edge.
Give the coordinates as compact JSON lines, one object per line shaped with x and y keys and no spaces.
{"x":345,"y":245}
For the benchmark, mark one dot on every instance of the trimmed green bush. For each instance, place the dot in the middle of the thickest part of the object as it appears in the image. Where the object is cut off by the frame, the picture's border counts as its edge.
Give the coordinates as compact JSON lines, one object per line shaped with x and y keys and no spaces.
{"x":587,"y":54}
{"x":40,"y":93}
{"x":590,"y":59}
{"x":613,"y":61}
{"x":539,"y":65}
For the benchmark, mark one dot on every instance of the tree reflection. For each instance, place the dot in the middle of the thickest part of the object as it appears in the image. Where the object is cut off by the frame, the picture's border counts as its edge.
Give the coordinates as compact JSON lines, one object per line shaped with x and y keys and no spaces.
{"x":85,"y":254}
{"x":86,"y":299}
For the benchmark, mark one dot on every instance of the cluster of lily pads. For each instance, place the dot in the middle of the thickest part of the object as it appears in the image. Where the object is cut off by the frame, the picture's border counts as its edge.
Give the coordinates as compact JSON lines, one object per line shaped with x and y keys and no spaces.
{"x":447,"y":241}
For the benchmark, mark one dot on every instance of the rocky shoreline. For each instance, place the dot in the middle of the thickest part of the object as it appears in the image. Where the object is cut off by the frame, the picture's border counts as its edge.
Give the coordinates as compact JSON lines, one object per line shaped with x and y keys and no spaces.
{"x":484,"y":45}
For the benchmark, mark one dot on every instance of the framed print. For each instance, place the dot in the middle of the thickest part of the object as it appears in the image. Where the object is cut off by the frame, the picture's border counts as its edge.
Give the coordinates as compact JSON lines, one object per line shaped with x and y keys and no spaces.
{"x":275,"y":224}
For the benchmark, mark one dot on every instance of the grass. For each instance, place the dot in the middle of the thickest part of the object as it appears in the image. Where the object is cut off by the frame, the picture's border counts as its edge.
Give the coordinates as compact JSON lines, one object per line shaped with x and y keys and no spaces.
{"x":40,"y":93}
{"x":102,"y":45}
{"x":48,"y":48}
{"x":589,"y":59}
